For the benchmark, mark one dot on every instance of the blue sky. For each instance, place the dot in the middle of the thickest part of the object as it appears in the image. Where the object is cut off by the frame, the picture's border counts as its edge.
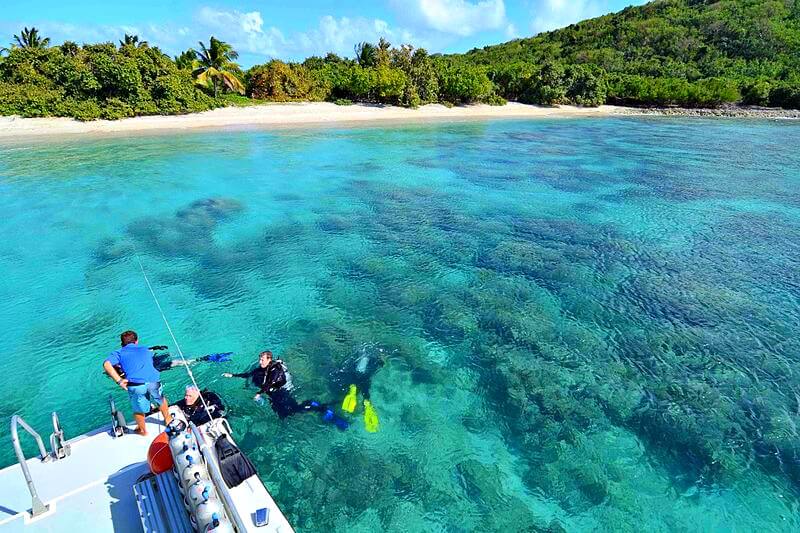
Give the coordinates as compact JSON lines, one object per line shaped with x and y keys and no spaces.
{"x":262,"y":29}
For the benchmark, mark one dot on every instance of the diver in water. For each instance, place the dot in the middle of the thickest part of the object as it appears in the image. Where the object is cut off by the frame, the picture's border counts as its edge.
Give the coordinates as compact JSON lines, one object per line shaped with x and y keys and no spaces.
{"x":356,"y":376}
{"x":272,"y":378}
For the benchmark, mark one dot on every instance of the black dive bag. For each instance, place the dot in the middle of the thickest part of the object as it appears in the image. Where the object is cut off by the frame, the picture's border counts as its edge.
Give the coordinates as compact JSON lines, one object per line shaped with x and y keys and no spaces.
{"x":235,"y":465}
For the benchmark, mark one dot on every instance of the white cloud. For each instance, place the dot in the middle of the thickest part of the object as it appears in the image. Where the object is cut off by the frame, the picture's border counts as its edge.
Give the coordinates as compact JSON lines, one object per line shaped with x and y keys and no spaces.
{"x":455,"y":17}
{"x":165,"y":37}
{"x":245,"y":31}
{"x":248,"y":34}
{"x":553,"y":14}
{"x":511,"y":31}
{"x":342,"y":34}
{"x":59,"y":32}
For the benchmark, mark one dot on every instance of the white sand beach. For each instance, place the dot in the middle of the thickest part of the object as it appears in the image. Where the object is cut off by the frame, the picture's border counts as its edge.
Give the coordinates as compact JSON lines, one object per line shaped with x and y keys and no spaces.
{"x":292,"y":114}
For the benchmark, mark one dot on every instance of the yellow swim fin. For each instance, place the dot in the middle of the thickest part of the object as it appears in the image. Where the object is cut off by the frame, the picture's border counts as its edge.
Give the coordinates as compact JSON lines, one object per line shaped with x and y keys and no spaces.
{"x":351,"y":400}
{"x":371,"y":421}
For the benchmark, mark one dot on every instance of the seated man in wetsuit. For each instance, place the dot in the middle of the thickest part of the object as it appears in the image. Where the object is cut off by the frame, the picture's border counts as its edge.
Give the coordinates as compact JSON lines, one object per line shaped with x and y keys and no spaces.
{"x":193,"y":407}
{"x":272,"y":379}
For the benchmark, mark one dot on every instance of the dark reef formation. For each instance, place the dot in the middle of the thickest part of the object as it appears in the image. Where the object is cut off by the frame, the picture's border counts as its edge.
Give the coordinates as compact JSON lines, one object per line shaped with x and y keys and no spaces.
{"x":583,"y":345}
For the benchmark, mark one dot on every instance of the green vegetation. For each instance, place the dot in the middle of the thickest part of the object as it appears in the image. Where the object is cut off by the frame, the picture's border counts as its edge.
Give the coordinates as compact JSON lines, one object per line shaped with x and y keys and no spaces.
{"x":668,"y":52}
{"x":215,"y":66}
{"x":30,"y":38}
{"x":132,"y":40}
{"x":692,"y":53}
{"x":379,"y":74}
{"x":94,"y":81}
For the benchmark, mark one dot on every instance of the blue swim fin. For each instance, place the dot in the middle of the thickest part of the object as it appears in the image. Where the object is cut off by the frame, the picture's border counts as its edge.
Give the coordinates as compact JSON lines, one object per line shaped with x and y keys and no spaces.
{"x":223,"y":357}
{"x":330,"y":416}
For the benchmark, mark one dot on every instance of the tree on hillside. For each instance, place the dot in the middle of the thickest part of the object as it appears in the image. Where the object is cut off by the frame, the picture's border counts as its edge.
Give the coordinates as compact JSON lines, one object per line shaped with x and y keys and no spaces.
{"x":332,"y":58}
{"x":216,"y":66}
{"x":133,"y":40}
{"x":70,"y":48}
{"x":186,"y":60}
{"x":383,"y":52}
{"x":30,"y":38}
{"x":366,"y":54}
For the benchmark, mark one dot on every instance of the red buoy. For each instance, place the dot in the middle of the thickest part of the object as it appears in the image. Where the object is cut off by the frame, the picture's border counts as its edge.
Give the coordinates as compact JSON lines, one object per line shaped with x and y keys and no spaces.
{"x":159,"y":456}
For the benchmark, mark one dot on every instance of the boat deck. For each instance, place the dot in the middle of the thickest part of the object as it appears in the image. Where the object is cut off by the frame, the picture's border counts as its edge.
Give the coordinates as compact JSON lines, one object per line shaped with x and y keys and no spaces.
{"x":91,"y":490}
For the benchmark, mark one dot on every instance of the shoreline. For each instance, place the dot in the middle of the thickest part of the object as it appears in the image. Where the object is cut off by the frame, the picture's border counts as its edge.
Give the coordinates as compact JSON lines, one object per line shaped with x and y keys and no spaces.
{"x":281,"y":115}
{"x":320,"y":114}
{"x":727,"y":111}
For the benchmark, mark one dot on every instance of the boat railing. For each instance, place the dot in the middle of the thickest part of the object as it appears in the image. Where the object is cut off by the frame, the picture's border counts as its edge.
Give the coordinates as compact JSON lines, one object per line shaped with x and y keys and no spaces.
{"x":37,"y":507}
{"x":58,"y":443}
{"x":118,"y":423}
{"x":216,"y":475}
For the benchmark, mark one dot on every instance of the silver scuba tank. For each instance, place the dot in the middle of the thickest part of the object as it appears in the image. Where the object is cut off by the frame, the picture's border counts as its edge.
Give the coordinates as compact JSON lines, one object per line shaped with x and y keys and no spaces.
{"x":192,"y":472}
{"x":204,"y":513}
{"x":185,"y":458}
{"x":200,"y":491}
{"x":181,"y":442}
{"x":288,"y":386}
{"x":218,"y":525}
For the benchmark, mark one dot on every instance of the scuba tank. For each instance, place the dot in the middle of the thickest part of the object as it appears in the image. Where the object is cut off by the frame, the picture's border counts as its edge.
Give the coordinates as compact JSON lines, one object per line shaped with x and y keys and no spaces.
{"x":185,"y":458}
{"x":288,"y":386}
{"x":178,"y":446}
{"x":199,"y":492}
{"x":192,"y":472}
{"x":204,"y":513}
{"x":180,"y":443}
{"x":218,"y":525}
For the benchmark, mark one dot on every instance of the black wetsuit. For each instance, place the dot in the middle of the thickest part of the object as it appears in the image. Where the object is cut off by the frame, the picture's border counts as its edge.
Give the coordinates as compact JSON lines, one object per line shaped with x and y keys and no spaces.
{"x":161,"y":362}
{"x":268,"y":379}
{"x":271,"y":381}
{"x":197,"y":413}
{"x":341,"y":379}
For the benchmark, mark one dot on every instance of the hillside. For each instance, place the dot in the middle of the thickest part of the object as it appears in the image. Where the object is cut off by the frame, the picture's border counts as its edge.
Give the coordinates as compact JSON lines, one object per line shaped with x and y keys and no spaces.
{"x":689,"y":53}
{"x":665,"y":50}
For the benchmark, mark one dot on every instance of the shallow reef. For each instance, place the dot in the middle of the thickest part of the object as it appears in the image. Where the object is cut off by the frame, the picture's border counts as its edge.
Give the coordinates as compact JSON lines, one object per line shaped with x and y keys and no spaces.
{"x":559,"y":372}
{"x":563,"y":325}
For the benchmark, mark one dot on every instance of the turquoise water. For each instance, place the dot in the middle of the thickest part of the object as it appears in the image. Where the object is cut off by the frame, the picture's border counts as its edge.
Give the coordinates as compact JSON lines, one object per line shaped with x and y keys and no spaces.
{"x":584,"y":324}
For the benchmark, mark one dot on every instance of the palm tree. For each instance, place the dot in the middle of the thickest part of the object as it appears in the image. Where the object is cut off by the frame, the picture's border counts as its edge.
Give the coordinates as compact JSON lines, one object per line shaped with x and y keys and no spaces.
{"x":70,"y":48}
{"x":366,"y":54}
{"x":30,"y":38}
{"x":382,"y":52}
{"x":215,"y":64}
{"x":133,"y":40}
{"x":187,"y":59}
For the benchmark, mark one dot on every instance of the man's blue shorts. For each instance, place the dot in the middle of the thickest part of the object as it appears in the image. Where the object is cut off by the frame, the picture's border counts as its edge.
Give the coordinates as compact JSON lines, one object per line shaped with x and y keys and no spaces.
{"x":143,"y":395}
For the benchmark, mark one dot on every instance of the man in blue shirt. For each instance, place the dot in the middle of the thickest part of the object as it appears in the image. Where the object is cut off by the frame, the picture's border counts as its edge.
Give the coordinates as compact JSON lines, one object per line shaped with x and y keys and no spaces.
{"x":142,"y":380}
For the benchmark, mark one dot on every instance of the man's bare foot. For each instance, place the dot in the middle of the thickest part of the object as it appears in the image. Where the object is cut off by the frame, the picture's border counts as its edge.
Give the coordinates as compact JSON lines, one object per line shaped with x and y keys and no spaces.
{"x":141,"y":432}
